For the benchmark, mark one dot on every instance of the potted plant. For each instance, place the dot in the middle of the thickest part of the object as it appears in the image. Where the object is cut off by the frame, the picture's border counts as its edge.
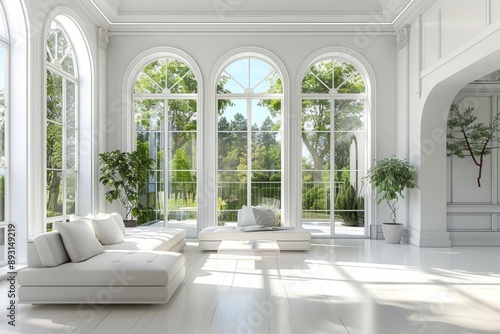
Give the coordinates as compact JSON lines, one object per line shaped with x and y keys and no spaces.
{"x":390,"y":177}
{"x":127,"y":174}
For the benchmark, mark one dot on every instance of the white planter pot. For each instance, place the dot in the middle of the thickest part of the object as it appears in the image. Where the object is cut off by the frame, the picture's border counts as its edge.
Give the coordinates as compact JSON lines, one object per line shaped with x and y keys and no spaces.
{"x":392,"y":232}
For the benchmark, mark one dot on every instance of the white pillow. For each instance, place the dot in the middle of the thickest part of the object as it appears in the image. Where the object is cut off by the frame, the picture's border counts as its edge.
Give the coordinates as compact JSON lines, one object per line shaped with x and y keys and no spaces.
{"x":246,"y":218}
{"x":119,"y":221}
{"x":51,"y":249}
{"x":88,"y":219}
{"x":107,"y":230}
{"x":263,"y":216}
{"x":79,"y":240}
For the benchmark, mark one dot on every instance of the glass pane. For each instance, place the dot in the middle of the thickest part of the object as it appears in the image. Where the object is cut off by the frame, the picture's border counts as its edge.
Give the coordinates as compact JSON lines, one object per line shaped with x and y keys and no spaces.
{"x":166,"y":76}
{"x":232,"y":150}
{"x":316,"y":150}
{"x":316,"y":199}
{"x":149,"y":115}
{"x":180,"y":78}
{"x":266,"y":138}
{"x":261,"y":76}
{"x":70,"y":148}
{"x":234,"y":116}
{"x":51,"y":46}
{"x":70,"y":193}
{"x":54,"y":193}
{"x":62,"y":45}
{"x":67,"y":63}
{"x":54,"y":97}
{"x":155,"y":194}
{"x":266,"y":114}
{"x":182,"y":151}
{"x":54,"y":145}
{"x":152,"y":78}
{"x":182,"y":115}
{"x":229,"y":85}
{"x":333,"y":76}
{"x":318,"y":78}
{"x":347,"y":78}
{"x":266,"y":191}
{"x":349,"y":115}
{"x":232,"y":195}
{"x":2,"y":194}
{"x":70,"y":103}
{"x":316,"y":115}
{"x":349,"y":150}
{"x":266,"y":151}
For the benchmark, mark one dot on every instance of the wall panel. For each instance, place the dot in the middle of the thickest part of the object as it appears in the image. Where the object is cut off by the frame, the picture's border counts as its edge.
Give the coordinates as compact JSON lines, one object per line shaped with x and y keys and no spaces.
{"x":461,"y":20}
{"x":494,"y":10}
{"x":430,"y":38}
{"x":469,"y":221}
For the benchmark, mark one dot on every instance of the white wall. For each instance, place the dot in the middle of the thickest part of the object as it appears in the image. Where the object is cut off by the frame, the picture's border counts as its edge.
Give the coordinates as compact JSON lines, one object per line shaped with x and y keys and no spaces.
{"x":451,"y":43}
{"x":291,"y":48}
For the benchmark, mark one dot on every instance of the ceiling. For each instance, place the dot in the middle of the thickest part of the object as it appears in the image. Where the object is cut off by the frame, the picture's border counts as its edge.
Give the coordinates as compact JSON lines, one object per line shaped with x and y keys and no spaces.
{"x":120,"y":13}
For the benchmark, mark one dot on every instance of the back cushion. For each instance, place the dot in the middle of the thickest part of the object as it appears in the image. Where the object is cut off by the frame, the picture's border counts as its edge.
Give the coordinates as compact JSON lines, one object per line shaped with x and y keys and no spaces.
{"x":51,"y":249}
{"x":264,"y":216}
{"x":79,"y":240}
{"x":118,"y":219}
{"x":88,"y":219}
{"x":107,"y":230}
{"x":246,"y":218}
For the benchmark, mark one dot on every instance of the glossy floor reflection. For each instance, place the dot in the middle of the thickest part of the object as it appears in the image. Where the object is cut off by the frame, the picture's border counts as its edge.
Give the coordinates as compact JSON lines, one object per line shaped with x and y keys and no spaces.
{"x":339,"y":286}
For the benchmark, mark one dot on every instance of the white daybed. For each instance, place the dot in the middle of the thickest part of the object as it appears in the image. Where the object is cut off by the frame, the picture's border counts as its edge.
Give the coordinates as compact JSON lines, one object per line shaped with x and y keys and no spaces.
{"x":288,"y":239}
{"x":141,"y":268}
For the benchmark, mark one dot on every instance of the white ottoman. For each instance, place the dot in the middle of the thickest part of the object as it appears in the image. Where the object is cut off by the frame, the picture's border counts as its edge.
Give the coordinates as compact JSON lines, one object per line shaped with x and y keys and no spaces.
{"x":290,"y":239}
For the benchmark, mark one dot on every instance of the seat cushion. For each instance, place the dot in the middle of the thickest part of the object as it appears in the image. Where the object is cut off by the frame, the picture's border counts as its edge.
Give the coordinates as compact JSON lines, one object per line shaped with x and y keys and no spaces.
{"x":110,"y":268}
{"x":161,"y":239}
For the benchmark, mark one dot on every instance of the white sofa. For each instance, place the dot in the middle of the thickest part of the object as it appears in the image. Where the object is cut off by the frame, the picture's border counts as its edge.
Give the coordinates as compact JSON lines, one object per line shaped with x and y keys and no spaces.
{"x":288,"y":239}
{"x":145,"y":268}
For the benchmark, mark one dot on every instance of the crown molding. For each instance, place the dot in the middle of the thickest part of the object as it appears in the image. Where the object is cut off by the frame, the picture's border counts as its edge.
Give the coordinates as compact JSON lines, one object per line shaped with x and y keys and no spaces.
{"x":249,"y":28}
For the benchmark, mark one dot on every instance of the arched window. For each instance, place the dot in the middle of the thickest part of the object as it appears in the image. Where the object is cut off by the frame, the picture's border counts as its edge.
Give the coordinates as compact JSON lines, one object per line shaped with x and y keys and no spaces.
{"x":61,"y":126}
{"x":165,"y":106}
{"x":249,"y":99}
{"x":333,"y":148}
{"x":4,"y":135}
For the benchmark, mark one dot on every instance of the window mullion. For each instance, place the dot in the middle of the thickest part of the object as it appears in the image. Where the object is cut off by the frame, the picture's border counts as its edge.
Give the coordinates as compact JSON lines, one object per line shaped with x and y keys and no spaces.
{"x":167,"y":181}
{"x":64,"y":145}
{"x":249,"y":151}
{"x":332,"y":166}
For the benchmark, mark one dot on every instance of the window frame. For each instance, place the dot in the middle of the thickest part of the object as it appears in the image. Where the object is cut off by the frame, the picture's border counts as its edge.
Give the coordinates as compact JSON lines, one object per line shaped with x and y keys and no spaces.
{"x":249,"y":97}
{"x":74,"y":79}
{"x":332,"y":96}
{"x":165,"y":97}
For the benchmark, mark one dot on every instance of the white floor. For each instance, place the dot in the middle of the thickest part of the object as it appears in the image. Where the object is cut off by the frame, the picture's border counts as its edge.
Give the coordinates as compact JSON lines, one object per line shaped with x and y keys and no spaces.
{"x":339,"y":286}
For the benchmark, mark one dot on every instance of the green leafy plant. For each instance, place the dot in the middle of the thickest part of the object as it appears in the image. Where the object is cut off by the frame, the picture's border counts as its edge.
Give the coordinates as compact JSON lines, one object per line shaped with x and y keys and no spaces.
{"x":349,"y":205}
{"x":469,"y":137}
{"x":390,"y":177}
{"x":126,"y":174}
